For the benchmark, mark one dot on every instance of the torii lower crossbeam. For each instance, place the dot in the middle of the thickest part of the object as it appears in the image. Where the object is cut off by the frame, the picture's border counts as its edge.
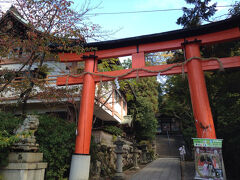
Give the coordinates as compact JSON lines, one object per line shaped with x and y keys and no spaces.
{"x":230,"y":62}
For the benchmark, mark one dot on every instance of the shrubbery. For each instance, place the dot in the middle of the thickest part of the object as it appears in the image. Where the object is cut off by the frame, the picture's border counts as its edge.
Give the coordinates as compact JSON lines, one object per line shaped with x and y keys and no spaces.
{"x":8,"y":123}
{"x":113,"y":130}
{"x":56,"y":138}
{"x":145,"y":123}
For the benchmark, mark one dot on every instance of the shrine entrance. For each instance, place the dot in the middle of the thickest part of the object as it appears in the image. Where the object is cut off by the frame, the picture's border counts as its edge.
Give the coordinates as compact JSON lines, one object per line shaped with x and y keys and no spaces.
{"x":189,"y":40}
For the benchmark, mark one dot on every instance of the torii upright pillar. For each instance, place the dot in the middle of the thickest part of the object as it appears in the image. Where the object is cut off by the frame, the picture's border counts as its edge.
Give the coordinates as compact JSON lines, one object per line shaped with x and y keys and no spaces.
{"x":199,"y":96}
{"x":81,"y":159}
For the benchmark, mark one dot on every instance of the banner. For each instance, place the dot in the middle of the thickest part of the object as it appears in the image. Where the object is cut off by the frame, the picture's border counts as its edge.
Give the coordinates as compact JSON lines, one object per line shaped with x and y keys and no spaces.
{"x":208,"y":159}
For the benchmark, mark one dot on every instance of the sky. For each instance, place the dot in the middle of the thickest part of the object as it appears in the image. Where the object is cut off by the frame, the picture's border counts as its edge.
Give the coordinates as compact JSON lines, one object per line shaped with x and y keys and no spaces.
{"x":130,"y":25}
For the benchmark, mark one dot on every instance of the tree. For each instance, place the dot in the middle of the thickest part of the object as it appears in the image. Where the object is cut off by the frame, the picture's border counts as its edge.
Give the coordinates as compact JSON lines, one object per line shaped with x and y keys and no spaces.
{"x":30,"y":37}
{"x":142,"y":98}
{"x":145,"y":123}
{"x":223,"y":91}
{"x":224,"y":95}
{"x":235,"y":11}
{"x":201,"y":11}
{"x":176,"y":102}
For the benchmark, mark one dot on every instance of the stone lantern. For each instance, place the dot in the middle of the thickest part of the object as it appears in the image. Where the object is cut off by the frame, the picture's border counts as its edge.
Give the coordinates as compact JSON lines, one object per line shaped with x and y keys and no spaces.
{"x":144,"y":153}
{"x":119,"y":175}
{"x":135,"y":157}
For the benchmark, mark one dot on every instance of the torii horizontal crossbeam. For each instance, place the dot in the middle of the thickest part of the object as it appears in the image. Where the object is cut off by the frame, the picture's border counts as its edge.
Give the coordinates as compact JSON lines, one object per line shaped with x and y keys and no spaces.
{"x":229,"y":62}
{"x":211,"y":38}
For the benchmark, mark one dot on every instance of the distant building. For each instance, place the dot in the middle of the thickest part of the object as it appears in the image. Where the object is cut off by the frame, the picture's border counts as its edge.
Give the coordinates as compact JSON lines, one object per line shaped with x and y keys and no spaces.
{"x":167,"y":124}
{"x":111,"y":107}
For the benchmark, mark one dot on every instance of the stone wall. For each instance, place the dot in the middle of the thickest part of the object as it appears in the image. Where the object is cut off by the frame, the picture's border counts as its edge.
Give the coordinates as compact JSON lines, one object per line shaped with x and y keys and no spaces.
{"x":103,"y":162}
{"x":102,"y":137}
{"x":103,"y":156}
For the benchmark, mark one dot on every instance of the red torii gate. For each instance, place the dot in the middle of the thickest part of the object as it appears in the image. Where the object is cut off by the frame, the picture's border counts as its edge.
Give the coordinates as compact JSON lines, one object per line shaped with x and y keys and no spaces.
{"x":187,"y":39}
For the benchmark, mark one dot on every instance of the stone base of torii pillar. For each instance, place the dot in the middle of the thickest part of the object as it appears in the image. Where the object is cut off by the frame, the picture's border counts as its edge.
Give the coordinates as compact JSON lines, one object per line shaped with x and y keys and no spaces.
{"x":80,"y":165}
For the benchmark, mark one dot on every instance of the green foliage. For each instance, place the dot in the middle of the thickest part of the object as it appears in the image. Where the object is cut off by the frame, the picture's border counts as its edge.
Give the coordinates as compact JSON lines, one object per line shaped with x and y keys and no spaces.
{"x":149,"y":148}
{"x":113,"y":130}
{"x":235,"y":11}
{"x":176,"y":102}
{"x":127,"y":63}
{"x":142,"y":98}
{"x":111,"y":64}
{"x":145,"y":123}
{"x":8,"y":122}
{"x":201,"y":11}
{"x":6,"y":139}
{"x":56,"y":138}
{"x":223,"y":88}
{"x":224,"y":95}
{"x":145,"y":142}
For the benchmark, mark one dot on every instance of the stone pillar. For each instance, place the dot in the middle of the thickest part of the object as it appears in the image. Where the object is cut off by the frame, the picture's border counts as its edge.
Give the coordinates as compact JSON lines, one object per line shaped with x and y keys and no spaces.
{"x":144,"y":154}
{"x":119,"y":175}
{"x":154,"y":149}
{"x":135,"y":157}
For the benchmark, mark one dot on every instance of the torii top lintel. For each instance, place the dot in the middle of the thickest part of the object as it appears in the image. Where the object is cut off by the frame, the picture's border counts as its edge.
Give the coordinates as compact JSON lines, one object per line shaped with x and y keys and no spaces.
{"x":221,"y":31}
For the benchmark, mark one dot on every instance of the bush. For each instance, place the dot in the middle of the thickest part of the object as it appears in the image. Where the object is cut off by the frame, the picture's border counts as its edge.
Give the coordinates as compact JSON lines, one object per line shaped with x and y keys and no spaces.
{"x":8,"y":122}
{"x":114,"y":130}
{"x":56,"y":138}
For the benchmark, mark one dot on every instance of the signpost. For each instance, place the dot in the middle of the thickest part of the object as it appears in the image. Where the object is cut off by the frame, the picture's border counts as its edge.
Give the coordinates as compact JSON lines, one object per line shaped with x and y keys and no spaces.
{"x":208,"y":159}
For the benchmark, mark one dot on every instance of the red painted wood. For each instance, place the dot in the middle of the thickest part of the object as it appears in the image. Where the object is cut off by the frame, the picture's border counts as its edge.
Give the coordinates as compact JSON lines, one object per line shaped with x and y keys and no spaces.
{"x":101,"y":54}
{"x":138,"y":60}
{"x":211,"y":38}
{"x":86,"y":111}
{"x":199,"y":97}
{"x":217,"y":37}
{"x":161,"y":46}
{"x":200,"y":102}
{"x":229,"y":62}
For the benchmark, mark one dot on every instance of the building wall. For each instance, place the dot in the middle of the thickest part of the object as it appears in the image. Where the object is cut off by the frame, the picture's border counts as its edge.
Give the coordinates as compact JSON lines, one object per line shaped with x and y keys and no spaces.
{"x":111,"y":101}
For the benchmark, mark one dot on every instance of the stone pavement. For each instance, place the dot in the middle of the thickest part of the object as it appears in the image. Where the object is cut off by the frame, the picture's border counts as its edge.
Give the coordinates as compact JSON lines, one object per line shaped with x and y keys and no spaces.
{"x":168,"y":165}
{"x":160,"y":169}
{"x":188,"y":170}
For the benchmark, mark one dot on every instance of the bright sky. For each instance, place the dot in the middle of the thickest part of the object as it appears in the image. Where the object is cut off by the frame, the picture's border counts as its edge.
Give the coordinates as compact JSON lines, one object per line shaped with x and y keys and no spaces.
{"x":130,"y":25}
{"x":143,"y":23}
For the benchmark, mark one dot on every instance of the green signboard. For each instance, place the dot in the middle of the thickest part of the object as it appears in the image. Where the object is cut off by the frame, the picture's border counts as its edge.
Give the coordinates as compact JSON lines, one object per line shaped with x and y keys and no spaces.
{"x":214,"y":143}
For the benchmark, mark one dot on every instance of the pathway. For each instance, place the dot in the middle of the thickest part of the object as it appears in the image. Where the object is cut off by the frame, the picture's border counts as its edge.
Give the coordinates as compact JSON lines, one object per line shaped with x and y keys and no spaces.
{"x":160,"y":169}
{"x":168,"y":147}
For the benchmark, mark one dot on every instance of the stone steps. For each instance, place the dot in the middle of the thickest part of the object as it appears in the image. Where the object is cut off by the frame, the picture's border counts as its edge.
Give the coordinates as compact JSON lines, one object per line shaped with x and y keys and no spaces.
{"x":168,"y":147}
